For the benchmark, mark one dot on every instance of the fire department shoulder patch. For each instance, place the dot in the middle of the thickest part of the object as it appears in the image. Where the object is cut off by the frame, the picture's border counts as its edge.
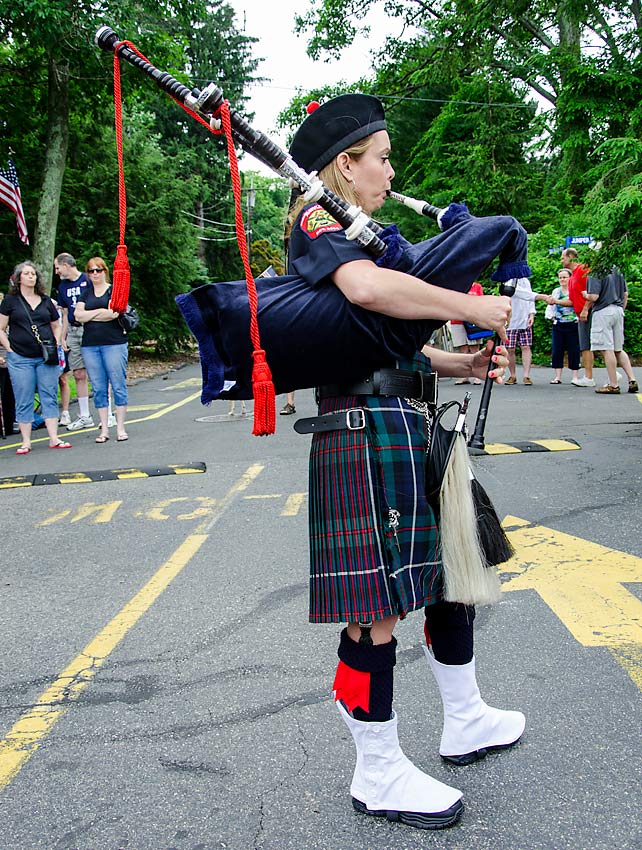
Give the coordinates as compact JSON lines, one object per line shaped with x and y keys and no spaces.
{"x":315,"y":221}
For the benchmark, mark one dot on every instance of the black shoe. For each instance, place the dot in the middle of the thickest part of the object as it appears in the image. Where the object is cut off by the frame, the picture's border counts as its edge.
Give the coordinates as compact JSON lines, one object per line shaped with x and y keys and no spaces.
{"x":420,"y":820}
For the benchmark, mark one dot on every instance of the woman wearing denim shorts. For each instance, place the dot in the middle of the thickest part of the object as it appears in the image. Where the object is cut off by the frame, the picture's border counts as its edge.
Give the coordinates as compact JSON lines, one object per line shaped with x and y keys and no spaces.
{"x":104,"y":348}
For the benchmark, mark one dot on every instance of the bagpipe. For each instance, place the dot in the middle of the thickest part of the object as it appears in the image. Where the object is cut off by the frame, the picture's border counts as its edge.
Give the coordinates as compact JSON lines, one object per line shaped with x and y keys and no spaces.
{"x":314,"y":336}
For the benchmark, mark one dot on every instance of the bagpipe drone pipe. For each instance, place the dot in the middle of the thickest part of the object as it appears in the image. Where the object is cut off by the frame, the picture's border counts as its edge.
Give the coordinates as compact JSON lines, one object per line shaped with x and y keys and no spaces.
{"x":314,"y":336}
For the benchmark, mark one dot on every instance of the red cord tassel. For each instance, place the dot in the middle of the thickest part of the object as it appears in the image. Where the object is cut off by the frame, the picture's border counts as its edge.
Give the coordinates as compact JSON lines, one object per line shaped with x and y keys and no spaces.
{"x":264,"y":396}
{"x":120,"y":285}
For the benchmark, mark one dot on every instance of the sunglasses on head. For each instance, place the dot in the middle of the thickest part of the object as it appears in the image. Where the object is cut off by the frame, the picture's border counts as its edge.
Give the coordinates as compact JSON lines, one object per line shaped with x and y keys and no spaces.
{"x":95,"y":271}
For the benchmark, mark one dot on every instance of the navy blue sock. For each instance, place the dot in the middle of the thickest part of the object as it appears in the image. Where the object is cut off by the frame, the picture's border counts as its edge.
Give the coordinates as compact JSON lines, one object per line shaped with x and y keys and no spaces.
{"x":378,"y":660}
{"x":449,"y":630}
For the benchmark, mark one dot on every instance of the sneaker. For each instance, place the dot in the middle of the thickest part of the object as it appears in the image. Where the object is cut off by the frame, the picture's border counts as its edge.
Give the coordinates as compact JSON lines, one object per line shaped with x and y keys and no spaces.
{"x":608,"y":390}
{"x":510,"y":381}
{"x":65,"y":418}
{"x":81,"y":422}
{"x":111,"y":421}
{"x":633,"y":386}
{"x":584,"y":382}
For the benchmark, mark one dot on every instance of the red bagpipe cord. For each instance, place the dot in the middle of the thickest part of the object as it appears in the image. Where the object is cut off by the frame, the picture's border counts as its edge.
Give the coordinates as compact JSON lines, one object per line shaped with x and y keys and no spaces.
{"x":262,"y":385}
{"x":121,"y":277}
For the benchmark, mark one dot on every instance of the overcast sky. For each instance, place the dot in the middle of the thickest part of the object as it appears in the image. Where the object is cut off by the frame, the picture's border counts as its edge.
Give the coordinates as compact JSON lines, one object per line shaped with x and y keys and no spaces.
{"x":286,"y":63}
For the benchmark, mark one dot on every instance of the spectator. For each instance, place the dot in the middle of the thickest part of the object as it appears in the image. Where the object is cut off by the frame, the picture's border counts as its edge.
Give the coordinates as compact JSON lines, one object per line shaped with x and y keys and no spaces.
{"x":582,"y":307}
{"x":63,"y":380}
{"x":7,"y":401}
{"x":565,"y":337}
{"x":520,"y":328}
{"x":72,"y":284}
{"x":25,"y":307}
{"x":104,"y":348}
{"x":288,"y":409}
{"x":608,"y":295}
{"x":232,"y":410}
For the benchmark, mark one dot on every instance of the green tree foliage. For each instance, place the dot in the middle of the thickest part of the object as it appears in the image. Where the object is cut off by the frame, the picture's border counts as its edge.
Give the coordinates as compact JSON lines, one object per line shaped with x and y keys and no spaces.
{"x":582,"y":58}
{"x":65,"y":151}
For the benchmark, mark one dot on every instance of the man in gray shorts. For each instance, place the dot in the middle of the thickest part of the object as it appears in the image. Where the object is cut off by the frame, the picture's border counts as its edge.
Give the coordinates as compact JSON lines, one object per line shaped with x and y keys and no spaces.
{"x":608,"y":295}
{"x":72,"y":283}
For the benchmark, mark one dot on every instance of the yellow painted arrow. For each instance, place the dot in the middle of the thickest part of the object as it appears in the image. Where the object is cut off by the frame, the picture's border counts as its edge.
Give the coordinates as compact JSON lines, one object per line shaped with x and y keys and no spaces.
{"x":582,"y":582}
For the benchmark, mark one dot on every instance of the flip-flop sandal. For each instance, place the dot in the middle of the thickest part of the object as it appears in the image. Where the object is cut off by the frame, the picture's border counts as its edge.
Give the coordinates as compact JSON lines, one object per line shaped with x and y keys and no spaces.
{"x":122,"y":438}
{"x":555,"y":381}
{"x":23,"y":450}
{"x":61,"y":445}
{"x":102,"y":439}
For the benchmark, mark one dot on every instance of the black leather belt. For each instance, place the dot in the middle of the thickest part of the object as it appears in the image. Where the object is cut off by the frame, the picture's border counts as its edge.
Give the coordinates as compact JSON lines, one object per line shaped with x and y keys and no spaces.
{"x":403,"y":383}
{"x":348,"y":420}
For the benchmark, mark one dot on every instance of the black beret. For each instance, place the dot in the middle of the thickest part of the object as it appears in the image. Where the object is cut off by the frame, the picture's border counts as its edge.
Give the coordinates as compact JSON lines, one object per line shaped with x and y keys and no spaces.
{"x":333,"y":127}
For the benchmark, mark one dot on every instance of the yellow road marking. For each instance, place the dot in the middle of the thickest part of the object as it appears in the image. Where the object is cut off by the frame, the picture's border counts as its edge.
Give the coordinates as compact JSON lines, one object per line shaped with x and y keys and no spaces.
{"x":29,"y":731}
{"x":582,"y":582}
{"x":500,"y":449}
{"x":157,"y":415}
{"x":188,"y":382}
{"x":267,"y":496}
{"x":293,"y":504}
{"x":73,"y":478}
{"x":557,"y":445}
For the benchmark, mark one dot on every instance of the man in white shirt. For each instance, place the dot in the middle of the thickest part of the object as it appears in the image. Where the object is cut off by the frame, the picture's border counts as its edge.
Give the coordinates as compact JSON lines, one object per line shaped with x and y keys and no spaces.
{"x":520,"y":328}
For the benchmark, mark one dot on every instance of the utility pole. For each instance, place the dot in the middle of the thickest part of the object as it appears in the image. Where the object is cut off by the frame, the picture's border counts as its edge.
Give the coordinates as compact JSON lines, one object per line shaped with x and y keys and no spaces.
{"x":251,"y":200}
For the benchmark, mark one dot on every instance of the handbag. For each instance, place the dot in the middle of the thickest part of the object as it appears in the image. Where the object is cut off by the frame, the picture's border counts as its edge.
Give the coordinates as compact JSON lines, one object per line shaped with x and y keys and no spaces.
{"x":129,"y":319}
{"x":49,"y":351}
{"x":48,"y":347}
{"x":475,"y":332}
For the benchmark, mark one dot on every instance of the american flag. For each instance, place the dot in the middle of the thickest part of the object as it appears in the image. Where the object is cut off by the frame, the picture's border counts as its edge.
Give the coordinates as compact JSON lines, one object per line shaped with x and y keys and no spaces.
{"x":10,"y":195}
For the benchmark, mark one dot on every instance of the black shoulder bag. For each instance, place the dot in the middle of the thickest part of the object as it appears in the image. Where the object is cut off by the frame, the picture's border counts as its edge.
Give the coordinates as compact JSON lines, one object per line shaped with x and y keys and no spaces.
{"x":129,"y":319}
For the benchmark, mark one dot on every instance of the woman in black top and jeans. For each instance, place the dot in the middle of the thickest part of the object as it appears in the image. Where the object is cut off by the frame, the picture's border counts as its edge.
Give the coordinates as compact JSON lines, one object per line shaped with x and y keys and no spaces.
{"x":26,"y":305}
{"x":104,"y":348}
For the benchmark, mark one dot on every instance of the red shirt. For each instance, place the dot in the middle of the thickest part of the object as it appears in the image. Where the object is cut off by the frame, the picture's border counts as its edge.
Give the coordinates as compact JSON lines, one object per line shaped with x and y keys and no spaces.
{"x":577,"y":285}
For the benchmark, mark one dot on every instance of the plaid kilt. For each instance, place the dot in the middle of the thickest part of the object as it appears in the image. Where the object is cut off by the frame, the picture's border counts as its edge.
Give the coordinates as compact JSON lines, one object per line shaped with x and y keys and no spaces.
{"x":373,"y":536}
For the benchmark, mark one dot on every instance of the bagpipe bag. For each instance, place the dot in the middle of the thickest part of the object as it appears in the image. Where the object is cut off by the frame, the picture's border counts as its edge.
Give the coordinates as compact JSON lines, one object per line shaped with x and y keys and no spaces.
{"x":314,"y":335}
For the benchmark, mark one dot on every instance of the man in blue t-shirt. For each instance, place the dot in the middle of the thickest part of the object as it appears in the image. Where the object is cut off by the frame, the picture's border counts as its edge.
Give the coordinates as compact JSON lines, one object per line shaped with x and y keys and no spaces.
{"x":72,"y":283}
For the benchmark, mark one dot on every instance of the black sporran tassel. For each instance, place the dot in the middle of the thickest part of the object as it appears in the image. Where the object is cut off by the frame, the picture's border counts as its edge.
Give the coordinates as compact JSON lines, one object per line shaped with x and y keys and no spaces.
{"x":495,"y":546}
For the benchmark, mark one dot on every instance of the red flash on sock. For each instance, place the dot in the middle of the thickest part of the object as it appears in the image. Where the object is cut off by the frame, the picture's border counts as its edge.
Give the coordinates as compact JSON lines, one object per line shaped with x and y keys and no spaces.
{"x":352,"y":687}
{"x":427,"y":634}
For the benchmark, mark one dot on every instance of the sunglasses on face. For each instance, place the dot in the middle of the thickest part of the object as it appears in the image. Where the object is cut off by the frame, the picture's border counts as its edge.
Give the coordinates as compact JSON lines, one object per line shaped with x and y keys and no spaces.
{"x":95,"y":271}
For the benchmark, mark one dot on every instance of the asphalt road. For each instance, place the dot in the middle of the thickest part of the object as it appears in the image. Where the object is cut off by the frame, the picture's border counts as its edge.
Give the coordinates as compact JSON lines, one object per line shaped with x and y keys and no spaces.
{"x":160,"y":686}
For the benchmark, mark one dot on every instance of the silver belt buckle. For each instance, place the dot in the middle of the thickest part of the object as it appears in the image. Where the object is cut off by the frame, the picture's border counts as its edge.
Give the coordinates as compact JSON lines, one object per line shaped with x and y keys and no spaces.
{"x":355,"y":419}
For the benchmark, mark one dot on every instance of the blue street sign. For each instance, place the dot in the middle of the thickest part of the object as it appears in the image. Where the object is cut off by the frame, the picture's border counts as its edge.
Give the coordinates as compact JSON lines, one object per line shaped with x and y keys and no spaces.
{"x":577,"y":240}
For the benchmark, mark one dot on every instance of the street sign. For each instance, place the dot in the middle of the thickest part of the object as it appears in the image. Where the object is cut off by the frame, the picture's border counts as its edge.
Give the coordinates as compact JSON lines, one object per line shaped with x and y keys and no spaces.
{"x":577,"y":240}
